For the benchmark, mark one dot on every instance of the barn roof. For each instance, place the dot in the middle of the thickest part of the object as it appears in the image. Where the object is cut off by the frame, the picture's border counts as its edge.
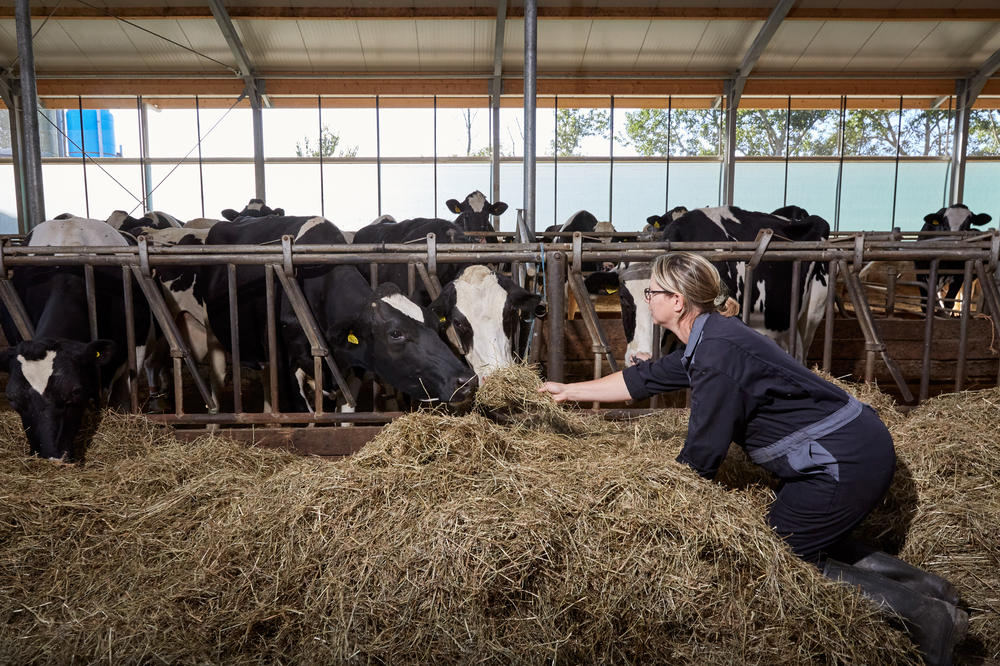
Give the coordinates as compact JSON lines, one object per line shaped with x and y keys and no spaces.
{"x":300,"y":49}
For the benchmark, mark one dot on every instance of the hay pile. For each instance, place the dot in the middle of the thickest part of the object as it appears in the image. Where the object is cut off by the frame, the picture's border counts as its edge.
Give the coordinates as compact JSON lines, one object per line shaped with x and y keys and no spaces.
{"x":555,"y":536}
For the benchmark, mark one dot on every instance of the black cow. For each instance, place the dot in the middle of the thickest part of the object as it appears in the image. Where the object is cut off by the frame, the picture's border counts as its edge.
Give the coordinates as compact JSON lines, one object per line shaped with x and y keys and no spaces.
{"x":584,"y":222}
{"x":791,"y":212}
{"x":53,"y":378}
{"x":474,"y":213}
{"x":256,"y":208}
{"x":479,"y":304}
{"x":385,"y":334}
{"x":656,"y":223}
{"x":956,"y":217}
{"x":771,"y":291}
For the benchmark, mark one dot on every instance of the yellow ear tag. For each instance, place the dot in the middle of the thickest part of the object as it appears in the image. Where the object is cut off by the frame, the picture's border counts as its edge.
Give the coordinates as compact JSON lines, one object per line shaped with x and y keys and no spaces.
{"x":353,"y":339}
{"x":656,"y":225}
{"x":611,"y":290}
{"x":97,"y":354}
{"x":443,"y":319}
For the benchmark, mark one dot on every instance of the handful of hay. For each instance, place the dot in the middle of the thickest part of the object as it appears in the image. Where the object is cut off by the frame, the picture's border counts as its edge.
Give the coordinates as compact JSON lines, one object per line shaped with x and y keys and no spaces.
{"x":556,"y":536}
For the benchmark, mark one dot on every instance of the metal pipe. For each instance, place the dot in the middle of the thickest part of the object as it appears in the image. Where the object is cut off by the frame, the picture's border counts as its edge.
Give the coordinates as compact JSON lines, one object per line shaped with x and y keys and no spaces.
{"x":133,"y":369}
{"x":272,"y":340}
{"x":530,"y":91}
{"x":258,"y":145}
{"x":963,"y":335}
{"x":931,"y":306}
{"x":234,"y":339}
{"x":793,"y":317}
{"x":831,"y":294}
{"x":555,"y":278}
{"x":32,"y":153}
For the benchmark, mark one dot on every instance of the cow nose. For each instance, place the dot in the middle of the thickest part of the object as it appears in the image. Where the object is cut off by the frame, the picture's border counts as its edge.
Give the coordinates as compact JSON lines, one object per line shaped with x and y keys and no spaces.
{"x":465,"y":386}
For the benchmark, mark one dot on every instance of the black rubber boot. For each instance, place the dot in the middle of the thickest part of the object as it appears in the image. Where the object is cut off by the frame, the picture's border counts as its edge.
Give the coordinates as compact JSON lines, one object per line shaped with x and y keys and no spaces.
{"x":866,"y":557}
{"x":934,"y":625}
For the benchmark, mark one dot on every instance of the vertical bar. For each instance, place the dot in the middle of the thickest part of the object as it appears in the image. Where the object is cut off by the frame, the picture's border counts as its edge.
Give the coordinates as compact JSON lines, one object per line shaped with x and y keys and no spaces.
{"x":831,"y":294}
{"x":83,"y":156}
{"x":963,"y":336}
{"x":530,"y":92}
{"x":143,"y":134}
{"x":234,"y":340}
{"x":272,"y":339}
{"x":788,"y":140}
{"x":378,"y":156}
{"x":178,"y":387}
{"x":747,"y":291}
{"x":666,"y":192}
{"x":960,"y":145}
{"x":258,"y":145}
{"x":133,"y":369}
{"x":201,"y":162}
{"x":435,"y":200}
{"x":318,"y":374}
{"x":793,"y":317}
{"x":88,"y":281}
{"x":611,"y":165}
{"x":729,"y":150}
{"x":555,"y":166}
{"x":322,"y":190}
{"x":555,"y":278}
{"x":925,"y":368}
{"x":32,"y":154}
{"x":841,"y":144}
{"x":890,"y":293}
{"x":895,"y":175}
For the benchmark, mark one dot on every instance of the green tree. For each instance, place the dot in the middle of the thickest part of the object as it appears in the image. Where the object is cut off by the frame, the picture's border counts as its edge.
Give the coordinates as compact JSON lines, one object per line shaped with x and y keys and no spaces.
{"x":693,"y":132}
{"x":572,"y":125}
{"x":328,"y":144}
{"x":762,"y":132}
{"x":984,"y":132}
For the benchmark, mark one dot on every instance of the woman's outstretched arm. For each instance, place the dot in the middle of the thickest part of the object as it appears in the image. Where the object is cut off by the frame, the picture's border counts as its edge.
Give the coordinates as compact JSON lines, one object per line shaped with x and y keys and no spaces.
{"x":610,"y":388}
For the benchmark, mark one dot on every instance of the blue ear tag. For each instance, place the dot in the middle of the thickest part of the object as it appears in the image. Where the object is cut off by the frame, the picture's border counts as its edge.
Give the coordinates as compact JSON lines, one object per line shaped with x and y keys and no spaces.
{"x":353,"y":339}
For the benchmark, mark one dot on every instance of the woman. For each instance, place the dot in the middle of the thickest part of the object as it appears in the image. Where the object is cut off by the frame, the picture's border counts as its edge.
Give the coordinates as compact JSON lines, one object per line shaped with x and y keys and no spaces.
{"x":832,"y":453}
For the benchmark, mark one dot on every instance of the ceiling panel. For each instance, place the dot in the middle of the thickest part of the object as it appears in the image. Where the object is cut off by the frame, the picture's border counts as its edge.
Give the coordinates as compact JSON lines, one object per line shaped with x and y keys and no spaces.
{"x":723,"y":45}
{"x":835,"y":44}
{"x":331,"y":45}
{"x":450,"y":45}
{"x":561,"y":45}
{"x":389,"y":44}
{"x":614,"y":45}
{"x":790,"y":41}
{"x":669,"y":45}
{"x":272,"y":45}
{"x":890,"y":45}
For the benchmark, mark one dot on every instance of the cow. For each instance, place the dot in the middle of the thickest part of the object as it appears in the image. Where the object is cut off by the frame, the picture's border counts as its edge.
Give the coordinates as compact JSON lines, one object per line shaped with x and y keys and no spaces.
{"x":153,"y":219}
{"x":584,"y":222}
{"x":255,"y":208}
{"x":479,"y":305}
{"x":770,"y":296}
{"x":55,"y":379}
{"x":956,"y":217}
{"x":177,"y":284}
{"x":382,"y":333}
{"x":474,"y":213}
{"x":655,"y":224}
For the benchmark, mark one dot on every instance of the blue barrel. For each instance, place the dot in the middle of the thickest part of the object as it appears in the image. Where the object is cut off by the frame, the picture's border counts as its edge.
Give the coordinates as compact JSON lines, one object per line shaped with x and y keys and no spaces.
{"x":97,"y":135}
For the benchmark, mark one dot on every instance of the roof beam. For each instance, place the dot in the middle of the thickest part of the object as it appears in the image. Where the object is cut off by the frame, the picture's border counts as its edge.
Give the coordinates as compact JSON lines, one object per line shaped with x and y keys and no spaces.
{"x":978,"y":79}
{"x":756,"y":49}
{"x":254,"y":86}
{"x":41,"y":11}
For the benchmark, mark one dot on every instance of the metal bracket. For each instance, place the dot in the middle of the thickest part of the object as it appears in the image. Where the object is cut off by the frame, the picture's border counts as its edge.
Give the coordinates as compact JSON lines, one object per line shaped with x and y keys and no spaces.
{"x":763,"y":239}
{"x":143,"y":243}
{"x":577,"y":251}
{"x":432,"y":255}
{"x":286,"y":255}
{"x":590,"y":319}
{"x":994,"y":250}
{"x":859,"y":253}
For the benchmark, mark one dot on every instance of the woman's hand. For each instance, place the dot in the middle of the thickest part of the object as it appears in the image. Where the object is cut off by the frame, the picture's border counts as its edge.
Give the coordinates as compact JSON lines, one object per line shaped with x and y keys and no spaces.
{"x":556,"y":389}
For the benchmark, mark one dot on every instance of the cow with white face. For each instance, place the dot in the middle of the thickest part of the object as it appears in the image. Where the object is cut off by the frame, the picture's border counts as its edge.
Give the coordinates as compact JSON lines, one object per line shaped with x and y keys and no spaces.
{"x":474,"y":213}
{"x":954,"y":218}
{"x":53,"y":378}
{"x":483,"y":307}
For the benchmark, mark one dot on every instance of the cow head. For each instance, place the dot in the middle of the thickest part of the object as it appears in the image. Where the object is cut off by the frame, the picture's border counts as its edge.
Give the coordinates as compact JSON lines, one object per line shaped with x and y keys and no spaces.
{"x":482,"y":308}
{"x":956,"y":217}
{"x":52,"y":385}
{"x":256,"y":208}
{"x":792,"y":213}
{"x":391,"y":337}
{"x":657,"y":223}
{"x":474,"y":212}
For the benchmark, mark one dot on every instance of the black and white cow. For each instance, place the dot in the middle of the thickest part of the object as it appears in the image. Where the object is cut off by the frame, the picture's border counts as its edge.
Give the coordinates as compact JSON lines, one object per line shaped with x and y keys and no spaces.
{"x":657,"y":223}
{"x":177,"y":284}
{"x":474,"y":213}
{"x":956,"y":217}
{"x":385,"y":334}
{"x":584,"y":222}
{"x":153,"y":219}
{"x":479,"y":304}
{"x":53,"y":378}
{"x":255,"y":208}
{"x":771,"y":290}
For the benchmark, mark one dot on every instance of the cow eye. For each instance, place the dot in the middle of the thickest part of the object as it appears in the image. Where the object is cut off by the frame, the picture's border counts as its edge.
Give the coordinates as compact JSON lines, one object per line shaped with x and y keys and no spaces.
{"x":396,"y":334}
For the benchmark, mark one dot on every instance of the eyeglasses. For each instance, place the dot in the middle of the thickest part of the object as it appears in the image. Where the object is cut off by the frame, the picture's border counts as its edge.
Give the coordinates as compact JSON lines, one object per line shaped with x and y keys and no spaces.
{"x":648,"y":293}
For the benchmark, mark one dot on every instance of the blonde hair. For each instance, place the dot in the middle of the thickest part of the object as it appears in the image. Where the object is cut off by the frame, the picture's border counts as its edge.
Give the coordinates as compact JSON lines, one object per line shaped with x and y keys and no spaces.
{"x":697,"y":280}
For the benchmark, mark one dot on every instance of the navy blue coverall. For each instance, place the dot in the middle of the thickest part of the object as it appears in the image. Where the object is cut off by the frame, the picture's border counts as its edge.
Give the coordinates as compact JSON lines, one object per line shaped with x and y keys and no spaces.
{"x":833,"y":454}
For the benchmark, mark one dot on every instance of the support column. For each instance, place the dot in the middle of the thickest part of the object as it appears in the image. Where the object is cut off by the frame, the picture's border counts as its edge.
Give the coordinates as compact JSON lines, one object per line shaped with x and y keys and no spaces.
{"x":34,"y":213}
{"x":530,"y":91}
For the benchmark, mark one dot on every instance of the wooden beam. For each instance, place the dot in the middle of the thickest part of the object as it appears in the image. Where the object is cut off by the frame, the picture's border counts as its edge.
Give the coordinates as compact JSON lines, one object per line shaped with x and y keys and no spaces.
{"x":489,"y":12}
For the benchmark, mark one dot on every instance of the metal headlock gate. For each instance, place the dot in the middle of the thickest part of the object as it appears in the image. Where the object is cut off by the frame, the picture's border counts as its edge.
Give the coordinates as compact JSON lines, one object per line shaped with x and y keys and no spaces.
{"x":561,"y":274}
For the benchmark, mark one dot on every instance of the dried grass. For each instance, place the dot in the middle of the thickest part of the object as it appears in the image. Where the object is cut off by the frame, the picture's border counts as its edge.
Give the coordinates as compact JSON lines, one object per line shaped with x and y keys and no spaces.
{"x":552,"y":536}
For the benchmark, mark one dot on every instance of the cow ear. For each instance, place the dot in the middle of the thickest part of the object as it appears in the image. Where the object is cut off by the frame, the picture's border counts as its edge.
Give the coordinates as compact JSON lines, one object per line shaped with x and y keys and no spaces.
{"x":498,"y":208}
{"x":931,"y":218}
{"x":453,"y":206}
{"x":443,"y":304}
{"x":280,"y":212}
{"x":387,"y":289}
{"x":982,"y":218}
{"x":102,"y":351}
{"x":230,"y":214}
